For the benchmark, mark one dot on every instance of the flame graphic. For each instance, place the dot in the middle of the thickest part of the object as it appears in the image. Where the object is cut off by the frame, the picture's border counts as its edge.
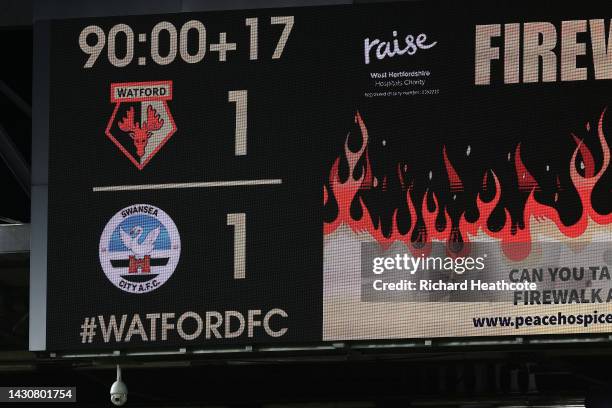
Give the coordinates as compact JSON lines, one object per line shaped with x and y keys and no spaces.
{"x":430,"y":221}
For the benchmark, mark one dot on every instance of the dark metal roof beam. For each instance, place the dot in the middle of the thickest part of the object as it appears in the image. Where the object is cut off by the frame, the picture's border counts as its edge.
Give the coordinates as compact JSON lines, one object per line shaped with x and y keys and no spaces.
{"x":14,"y":161}
{"x":16,"y":99}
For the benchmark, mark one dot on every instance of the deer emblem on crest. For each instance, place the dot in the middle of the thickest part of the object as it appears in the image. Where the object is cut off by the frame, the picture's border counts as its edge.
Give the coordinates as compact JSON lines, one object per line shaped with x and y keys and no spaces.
{"x":142,"y":112}
{"x":140,"y":133}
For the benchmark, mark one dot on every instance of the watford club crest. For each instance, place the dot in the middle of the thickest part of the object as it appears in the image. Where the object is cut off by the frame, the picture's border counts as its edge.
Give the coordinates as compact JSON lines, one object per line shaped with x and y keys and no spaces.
{"x":141,"y":122}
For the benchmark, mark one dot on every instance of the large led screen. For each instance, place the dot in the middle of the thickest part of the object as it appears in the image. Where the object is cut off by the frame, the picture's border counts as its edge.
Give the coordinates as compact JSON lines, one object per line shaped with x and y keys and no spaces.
{"x":298,"y":175}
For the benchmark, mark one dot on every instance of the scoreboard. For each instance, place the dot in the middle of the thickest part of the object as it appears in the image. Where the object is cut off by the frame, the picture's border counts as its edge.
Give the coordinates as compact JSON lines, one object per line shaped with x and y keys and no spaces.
{"x":299,"y":175}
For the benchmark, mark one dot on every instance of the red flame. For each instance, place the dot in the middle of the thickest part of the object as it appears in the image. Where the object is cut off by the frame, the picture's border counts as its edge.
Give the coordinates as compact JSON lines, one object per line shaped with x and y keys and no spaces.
{"x":514,"y":237}
{"x":526,"y":181}
{"x":456,"y":184}
{"x":587,"y":164}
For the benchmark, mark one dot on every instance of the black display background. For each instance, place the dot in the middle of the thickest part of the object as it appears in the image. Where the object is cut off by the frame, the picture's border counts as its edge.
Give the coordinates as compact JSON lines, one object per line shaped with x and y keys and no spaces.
{"x":300,"y":110}
{"x":291,"y":105}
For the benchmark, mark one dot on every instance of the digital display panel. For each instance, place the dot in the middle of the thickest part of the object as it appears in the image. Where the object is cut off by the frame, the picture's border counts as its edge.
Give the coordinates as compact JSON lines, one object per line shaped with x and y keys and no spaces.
{"x":298,"y":175}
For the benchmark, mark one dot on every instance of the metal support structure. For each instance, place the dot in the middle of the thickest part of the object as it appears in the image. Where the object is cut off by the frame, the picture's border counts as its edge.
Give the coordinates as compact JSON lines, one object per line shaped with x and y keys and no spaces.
{"x":14,"y":161}
{"x":16,"y":99}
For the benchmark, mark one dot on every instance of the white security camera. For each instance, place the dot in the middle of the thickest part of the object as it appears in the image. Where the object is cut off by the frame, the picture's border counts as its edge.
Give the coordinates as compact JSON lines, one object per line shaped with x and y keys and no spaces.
{"x":118,"y":391}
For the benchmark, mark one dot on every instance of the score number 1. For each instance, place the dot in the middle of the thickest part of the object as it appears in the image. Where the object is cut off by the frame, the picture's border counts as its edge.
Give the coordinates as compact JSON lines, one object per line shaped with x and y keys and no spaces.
{"x":238,"y":221}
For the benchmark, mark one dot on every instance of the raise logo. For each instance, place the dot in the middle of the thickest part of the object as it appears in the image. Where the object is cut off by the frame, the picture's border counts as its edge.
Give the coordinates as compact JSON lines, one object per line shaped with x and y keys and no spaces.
{"x":391,"y":48}
{"x":139,"y":248}
{"x":141,"y":122}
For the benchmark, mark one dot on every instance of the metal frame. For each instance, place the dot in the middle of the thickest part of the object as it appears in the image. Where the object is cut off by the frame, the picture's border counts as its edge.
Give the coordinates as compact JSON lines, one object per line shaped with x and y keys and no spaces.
{"x":40,"y":177}
{"x":453,"y":345}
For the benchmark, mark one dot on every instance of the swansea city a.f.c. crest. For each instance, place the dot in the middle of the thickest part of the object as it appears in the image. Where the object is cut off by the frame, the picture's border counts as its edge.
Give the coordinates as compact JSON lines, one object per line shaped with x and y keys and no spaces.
{"x":141,"y":122}
{"x":139,"y":248}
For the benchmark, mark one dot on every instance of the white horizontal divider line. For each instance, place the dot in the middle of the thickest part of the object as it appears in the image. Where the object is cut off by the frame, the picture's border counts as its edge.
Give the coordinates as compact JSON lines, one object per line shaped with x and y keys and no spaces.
{"x":202,"y":184}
